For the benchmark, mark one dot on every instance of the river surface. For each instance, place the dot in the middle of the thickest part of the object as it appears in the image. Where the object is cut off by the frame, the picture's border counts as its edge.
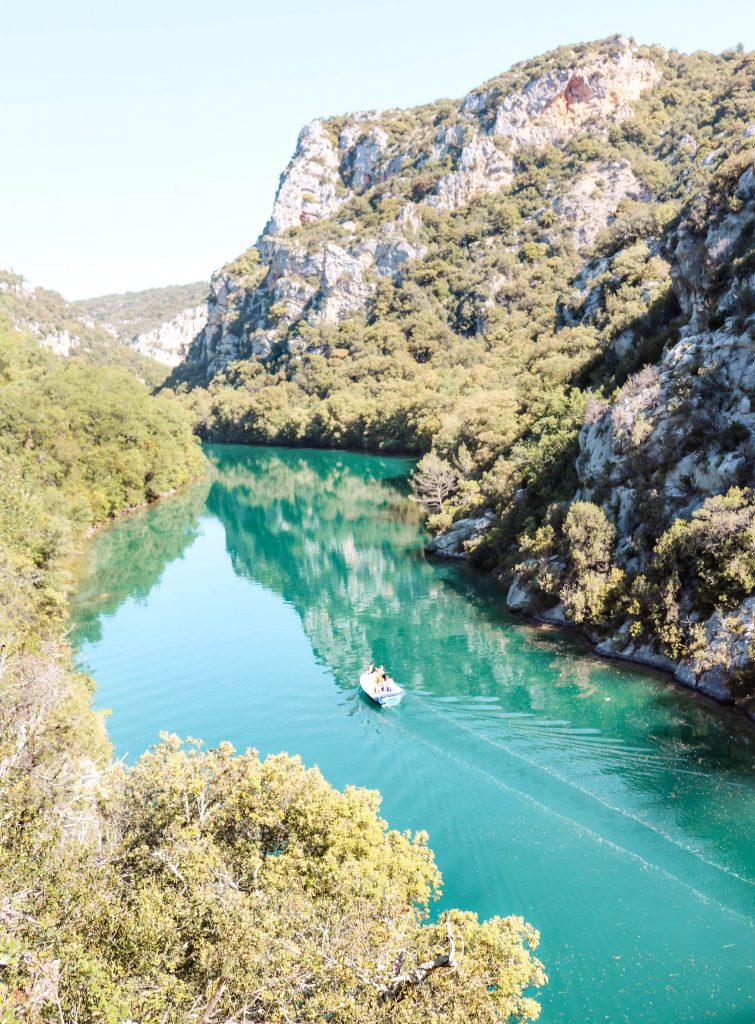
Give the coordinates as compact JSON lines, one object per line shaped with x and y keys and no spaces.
{"x":612,"y":811}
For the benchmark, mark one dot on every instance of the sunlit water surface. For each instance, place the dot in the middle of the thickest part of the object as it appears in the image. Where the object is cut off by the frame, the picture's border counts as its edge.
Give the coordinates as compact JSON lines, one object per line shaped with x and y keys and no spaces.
{"x":610,"y":810}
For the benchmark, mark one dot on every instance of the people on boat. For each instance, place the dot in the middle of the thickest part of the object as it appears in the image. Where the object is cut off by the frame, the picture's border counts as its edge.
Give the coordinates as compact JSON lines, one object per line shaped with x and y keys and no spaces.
{"x":379,"y":678}
{"x":377,"y":684}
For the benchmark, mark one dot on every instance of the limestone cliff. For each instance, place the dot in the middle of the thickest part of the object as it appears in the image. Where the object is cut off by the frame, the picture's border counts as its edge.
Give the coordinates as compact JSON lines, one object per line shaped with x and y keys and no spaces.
{"x":680,"y":432}
{"x":320,"y":259}
{"x":160,"y":323}
{"x":169,"y":342}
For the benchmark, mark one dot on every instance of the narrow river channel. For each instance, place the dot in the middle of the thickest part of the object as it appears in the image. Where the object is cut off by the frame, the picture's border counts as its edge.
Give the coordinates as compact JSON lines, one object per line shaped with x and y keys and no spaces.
{"x":612,"y":811}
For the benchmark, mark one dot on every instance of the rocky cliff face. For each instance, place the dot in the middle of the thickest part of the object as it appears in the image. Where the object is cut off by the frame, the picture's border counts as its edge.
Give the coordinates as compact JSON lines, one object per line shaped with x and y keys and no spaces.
{"x":160,"y":323}
{"x":549,"y":283}
{"x":169,"y":342}
{"x":680,"y":432}
{"x":317,"y":260}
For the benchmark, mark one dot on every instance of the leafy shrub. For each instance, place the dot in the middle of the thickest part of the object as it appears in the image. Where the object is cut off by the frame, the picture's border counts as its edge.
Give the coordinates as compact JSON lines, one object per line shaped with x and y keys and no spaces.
{"x":712,"y":555}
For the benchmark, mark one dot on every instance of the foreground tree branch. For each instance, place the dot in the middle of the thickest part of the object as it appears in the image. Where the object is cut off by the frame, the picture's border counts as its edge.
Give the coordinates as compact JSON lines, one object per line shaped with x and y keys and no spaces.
{"x":216,"y":997}
{"x":402,"y":983}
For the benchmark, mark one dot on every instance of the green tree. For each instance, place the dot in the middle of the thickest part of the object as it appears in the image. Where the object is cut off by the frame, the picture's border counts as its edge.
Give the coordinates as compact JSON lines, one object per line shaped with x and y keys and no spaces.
{"x":253,"y":889}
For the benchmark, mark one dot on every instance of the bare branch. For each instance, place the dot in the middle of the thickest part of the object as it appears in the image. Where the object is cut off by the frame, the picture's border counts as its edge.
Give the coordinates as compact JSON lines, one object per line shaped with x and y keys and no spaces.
{"x":399,"y":985}
{"x":210,"y":1010}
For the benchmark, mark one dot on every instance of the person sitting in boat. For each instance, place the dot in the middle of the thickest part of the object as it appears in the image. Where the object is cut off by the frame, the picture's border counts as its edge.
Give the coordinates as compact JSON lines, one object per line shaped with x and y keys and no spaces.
{"x":381,"y":680}
{"x":371,"y":668}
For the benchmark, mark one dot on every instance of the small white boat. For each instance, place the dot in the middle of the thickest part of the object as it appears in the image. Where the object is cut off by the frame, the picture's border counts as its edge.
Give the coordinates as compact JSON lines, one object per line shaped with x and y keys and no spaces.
{"x":387,"y":694}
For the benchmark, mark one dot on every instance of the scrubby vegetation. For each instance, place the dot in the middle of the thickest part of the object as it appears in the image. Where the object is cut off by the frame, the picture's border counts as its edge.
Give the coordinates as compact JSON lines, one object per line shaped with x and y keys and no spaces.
{"x":253,"y":890}
{"x":198,"y":884}
{"x":702,"y":564}
{"x":78,"y":444}
{"x":65,"y":328}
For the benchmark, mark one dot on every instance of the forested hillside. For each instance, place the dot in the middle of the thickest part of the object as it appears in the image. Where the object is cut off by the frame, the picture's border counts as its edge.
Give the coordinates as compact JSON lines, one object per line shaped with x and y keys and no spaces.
{"x":196,"y":882}
{"x":158,"y":322}
{"x":548,"y":285}
{"x":64,"y":329}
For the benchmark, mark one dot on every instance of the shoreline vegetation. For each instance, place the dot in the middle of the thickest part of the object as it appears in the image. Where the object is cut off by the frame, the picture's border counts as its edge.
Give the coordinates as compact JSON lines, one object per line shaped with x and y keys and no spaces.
{"x":199,"y":881}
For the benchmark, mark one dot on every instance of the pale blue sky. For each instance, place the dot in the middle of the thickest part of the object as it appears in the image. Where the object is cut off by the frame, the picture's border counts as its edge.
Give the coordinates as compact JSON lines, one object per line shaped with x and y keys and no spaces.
{"x":143,"y":140}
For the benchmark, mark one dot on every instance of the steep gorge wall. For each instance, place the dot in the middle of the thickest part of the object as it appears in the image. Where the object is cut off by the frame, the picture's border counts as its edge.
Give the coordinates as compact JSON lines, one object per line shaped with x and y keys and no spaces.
{"x":678,"y":434}
{"x":316,"y":262}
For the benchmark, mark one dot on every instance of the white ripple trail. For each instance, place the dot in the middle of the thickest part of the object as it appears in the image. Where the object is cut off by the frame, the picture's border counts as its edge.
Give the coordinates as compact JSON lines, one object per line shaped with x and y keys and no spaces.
{"x":586,"y":792}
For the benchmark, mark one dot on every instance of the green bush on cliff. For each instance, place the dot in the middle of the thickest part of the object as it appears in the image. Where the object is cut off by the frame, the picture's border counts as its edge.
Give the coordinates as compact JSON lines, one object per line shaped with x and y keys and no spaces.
{"x":710,"y":558}
{"x":569,"y":559}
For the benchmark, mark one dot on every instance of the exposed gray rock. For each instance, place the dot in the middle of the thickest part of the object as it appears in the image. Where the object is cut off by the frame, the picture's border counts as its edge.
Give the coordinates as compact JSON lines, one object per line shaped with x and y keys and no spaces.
{"x":483,"y":168}
{"x":705,"y":382}
{"x":682,"y":432}
{"x":307,"y":189}
{"x":454,"y":543}
{"x":364,"y":161}
{"x":715,"y":684}
{"x":169,"y":343}
{"x":521,"y":597}
{"x":62,"y":343}
{"x":641,"y":654}
{"x":593,"y":200}
{"x":556,"y":616}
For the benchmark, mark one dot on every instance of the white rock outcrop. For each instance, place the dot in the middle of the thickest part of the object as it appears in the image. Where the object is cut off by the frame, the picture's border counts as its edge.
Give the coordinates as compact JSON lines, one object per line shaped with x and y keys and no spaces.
{"x":454,"y":543}
{"x":483,"y":168}
{"x":589,"y":206}
{"x":169,"y":342}
{"x":308,"y":186}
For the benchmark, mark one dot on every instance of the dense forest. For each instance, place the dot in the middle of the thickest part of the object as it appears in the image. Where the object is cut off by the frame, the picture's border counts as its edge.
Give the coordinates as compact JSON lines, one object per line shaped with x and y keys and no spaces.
{"x":548,"y":287}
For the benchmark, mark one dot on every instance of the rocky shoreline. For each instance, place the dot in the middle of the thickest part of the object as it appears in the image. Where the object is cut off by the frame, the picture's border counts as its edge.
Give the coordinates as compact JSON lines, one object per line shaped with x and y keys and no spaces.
{"x":524,"y":600}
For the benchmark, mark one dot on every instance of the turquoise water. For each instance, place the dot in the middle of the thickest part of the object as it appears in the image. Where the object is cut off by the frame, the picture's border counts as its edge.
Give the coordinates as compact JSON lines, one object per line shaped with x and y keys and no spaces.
{"x":609,"y":809}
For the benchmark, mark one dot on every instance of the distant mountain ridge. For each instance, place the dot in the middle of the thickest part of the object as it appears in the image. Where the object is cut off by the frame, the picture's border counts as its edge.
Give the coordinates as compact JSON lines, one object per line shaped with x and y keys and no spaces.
{"x":67,"y":329}
{"x":158,"y":322}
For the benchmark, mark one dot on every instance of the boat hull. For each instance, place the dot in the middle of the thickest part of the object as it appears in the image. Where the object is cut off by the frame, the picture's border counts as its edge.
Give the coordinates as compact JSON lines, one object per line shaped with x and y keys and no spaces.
{"x":385,"y":698}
